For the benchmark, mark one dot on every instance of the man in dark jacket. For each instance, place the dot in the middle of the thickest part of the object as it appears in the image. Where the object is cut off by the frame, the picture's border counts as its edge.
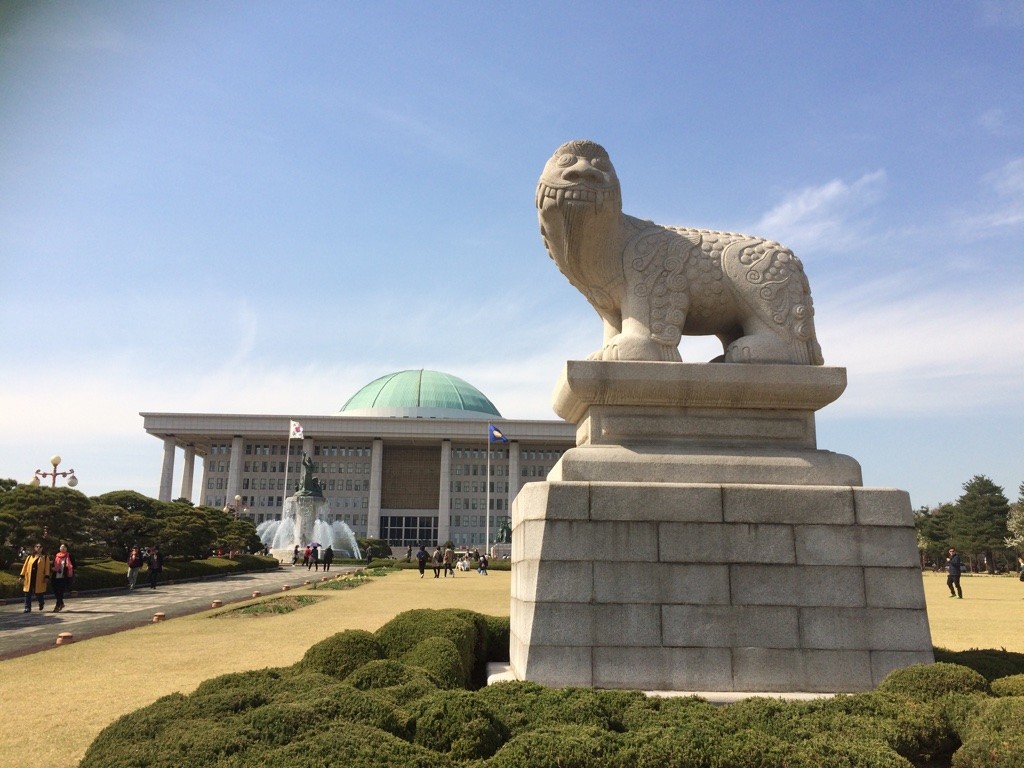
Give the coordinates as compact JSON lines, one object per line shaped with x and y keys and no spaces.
{"x":155,"y":561}
{"x":953,"y":568}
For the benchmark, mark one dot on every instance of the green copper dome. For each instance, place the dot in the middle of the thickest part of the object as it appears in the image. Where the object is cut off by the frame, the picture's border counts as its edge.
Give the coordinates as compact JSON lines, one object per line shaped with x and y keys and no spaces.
{"x":420,"y":394}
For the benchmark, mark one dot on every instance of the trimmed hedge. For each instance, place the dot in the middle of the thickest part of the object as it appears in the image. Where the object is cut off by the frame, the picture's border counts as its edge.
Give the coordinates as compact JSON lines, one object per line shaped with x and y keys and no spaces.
{"x":993,"y":736}
{"x":342,"y":654}
{"x":1009,"y":686}
{"x":990,"y":664}
{"x":932,"y":680}
{"x":406,"y":696}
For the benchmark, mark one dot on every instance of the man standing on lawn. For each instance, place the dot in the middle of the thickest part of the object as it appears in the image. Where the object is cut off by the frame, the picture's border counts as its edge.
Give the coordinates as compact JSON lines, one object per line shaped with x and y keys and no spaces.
{"x":953,"y":568}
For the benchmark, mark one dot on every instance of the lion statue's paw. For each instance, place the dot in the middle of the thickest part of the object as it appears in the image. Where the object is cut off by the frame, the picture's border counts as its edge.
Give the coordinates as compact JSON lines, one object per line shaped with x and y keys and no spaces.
{"x":631,"y":347}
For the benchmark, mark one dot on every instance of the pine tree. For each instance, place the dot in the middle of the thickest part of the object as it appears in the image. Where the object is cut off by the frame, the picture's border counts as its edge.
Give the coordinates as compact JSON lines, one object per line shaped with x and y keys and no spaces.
{"x":980,"y":525}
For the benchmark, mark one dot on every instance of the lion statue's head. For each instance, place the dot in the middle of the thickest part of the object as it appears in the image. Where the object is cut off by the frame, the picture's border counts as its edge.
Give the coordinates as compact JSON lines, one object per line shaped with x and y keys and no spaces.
{"x":578,"y":198}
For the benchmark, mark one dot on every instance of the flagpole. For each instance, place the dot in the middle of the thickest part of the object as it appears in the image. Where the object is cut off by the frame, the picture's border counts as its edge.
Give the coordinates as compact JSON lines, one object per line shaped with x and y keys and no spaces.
{"x":287,"y":461}
{"x":487,"y":496}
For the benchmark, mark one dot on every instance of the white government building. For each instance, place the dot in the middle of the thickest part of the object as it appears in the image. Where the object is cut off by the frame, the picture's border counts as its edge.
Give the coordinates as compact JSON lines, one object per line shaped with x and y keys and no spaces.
{"x":405,"y":460}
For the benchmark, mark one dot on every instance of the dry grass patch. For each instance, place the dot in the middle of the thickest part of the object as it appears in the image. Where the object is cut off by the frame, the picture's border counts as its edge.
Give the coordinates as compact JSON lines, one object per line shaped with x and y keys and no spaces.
{"x":991,"y":615}
{"x":273,"y":607}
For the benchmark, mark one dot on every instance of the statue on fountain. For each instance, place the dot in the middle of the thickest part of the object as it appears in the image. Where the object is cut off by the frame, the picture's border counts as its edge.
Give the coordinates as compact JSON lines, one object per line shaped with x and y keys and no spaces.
{"x":308,"y":485}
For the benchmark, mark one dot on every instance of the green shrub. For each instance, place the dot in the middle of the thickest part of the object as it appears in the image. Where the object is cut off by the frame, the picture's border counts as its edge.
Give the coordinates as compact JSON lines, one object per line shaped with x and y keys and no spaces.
{"x":849,"y":750}
{"x":514,"y":702}
{"x":572,"y":706}
{"x":403,"y":632}
{"x":195,"y":742}
{"x":347,"y":745}
{"x":440,"y":657}
{"x":459,"y":723}
{"x":990,"y":664}
{"x":341,"y":654}
{"x":383,"y":673}
{"x":673,"y":711}
{"x":117,"y":744}
{"x":994,"y":735}
{"x":933,"y":680}
{"x":1009,"y":686}
{"x":564,"y":746}
{"x":238,"y":691}
{"x":398,"y":682}
{"x":523,"y":706}
{"x":918,"y":729}
{"x":499,"y":638}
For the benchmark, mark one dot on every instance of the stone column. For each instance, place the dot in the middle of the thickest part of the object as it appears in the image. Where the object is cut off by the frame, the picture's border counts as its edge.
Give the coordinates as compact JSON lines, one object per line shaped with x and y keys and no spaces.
{"x":235,"y":470}
{"x":376,"y":472}
{"x":204,"y":480}
{"x":188,"y":472}
{"x":513,"y":471}
{"x":167,"y":472}
{"x":444,"y":514}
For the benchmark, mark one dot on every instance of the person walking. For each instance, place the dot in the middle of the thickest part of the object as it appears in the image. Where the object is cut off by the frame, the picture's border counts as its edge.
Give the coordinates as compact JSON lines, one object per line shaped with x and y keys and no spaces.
{"x":62,"y":572}
{"x":134,"y":566}
{"x":155,"y":564}
{"x":306,"y":554}
{"x":449,"y":561}
{"x":328,"y":557}
{"x":314,"y":558}
{"x":421,"y":559}
{"x":482,"y":565}
{"x":435,"y":561}
{"x":953,"y":569}
{"x":295,"y":555}
{"x":34,"y":573}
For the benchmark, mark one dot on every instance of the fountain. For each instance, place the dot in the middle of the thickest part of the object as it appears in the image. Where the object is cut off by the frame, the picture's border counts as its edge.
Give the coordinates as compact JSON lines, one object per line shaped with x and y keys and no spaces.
{"x":302,"y":522}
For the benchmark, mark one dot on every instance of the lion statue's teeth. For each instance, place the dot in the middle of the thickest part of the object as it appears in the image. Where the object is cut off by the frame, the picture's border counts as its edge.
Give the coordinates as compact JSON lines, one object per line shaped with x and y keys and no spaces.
{"x":651,"y":284}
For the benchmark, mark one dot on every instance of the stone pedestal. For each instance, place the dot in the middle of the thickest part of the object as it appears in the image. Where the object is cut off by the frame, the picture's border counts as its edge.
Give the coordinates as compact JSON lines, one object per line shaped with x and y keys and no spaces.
{"x":697,"y":539}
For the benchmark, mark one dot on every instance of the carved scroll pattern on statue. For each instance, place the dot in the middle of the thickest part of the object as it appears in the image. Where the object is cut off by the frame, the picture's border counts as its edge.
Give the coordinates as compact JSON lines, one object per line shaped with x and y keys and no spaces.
{"x":660,"y":261}
{"x":780,"y":281}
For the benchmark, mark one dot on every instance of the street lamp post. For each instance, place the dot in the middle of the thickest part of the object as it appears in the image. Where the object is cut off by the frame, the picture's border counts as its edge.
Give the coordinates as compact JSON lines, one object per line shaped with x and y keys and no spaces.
{"x":236,"y":507}
{"x":55,"y":461}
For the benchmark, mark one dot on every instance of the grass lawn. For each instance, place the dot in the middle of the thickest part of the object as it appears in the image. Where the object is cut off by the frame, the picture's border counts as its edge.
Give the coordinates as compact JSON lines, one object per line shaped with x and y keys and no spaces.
{"x":103,"y":678}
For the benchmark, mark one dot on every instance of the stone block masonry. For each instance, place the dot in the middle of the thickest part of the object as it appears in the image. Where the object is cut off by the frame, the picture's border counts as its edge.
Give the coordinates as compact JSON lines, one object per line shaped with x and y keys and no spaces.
{"x":679,"y":583}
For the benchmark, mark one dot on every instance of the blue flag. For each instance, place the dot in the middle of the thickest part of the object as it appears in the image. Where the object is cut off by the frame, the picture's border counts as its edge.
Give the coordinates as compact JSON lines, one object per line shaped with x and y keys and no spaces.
{"x":495,"y":434}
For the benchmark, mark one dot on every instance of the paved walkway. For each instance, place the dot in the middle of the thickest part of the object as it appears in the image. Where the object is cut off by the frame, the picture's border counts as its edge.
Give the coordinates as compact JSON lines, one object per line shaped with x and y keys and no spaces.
{"x":92,"y":614}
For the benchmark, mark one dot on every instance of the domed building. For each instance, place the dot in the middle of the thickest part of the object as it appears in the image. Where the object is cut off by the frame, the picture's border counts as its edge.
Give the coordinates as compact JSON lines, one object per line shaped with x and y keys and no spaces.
{"x":407,"y":459}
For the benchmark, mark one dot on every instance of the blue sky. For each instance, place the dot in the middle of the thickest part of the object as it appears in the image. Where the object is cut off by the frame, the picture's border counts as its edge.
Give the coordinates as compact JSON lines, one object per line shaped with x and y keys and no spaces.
{"x":261,"y":206}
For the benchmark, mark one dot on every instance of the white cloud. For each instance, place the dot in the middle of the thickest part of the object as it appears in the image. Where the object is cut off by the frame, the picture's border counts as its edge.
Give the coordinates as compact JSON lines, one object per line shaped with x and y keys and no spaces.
{"x":1004,"y":188}
{"x":1008,"y":14}
{"x":995,"y":122}
{"x":822,"y":217}
{"x":937,"y":351}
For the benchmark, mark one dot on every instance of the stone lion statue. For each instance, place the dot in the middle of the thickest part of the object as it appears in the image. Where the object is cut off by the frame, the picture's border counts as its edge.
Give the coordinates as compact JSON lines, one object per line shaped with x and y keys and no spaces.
{"x":652,"y":284}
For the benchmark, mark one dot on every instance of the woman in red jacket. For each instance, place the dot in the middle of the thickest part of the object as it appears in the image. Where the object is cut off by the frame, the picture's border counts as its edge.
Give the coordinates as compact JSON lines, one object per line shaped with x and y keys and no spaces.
{"x":63,"y":572}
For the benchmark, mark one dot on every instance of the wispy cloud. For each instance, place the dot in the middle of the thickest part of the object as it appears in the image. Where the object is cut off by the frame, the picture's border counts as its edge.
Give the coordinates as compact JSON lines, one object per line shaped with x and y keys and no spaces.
{"x":996,"y":122}
{"x":1003,"y":189}
{"x":824,"y":216}
{"x":941,"y":351}
{"x":1008,"y":14}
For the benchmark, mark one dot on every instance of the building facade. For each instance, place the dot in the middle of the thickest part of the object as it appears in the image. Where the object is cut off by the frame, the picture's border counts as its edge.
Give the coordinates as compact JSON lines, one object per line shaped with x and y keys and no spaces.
{"x":408,"y":459}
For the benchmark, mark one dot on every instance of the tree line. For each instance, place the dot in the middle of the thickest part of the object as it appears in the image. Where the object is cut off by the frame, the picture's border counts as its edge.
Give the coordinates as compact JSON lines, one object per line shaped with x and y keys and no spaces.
{"x":111,"y":524}
{"x":982,"y":524}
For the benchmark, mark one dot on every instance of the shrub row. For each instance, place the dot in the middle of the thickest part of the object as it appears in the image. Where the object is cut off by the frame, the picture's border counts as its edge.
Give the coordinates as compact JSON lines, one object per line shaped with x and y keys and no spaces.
{"x":410,"y":695}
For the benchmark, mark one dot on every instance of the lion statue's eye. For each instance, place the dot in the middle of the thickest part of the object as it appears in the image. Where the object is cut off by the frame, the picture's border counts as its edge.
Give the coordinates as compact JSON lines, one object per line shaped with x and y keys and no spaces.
{"x":598,"y":162}
{"x":565,"y":160}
